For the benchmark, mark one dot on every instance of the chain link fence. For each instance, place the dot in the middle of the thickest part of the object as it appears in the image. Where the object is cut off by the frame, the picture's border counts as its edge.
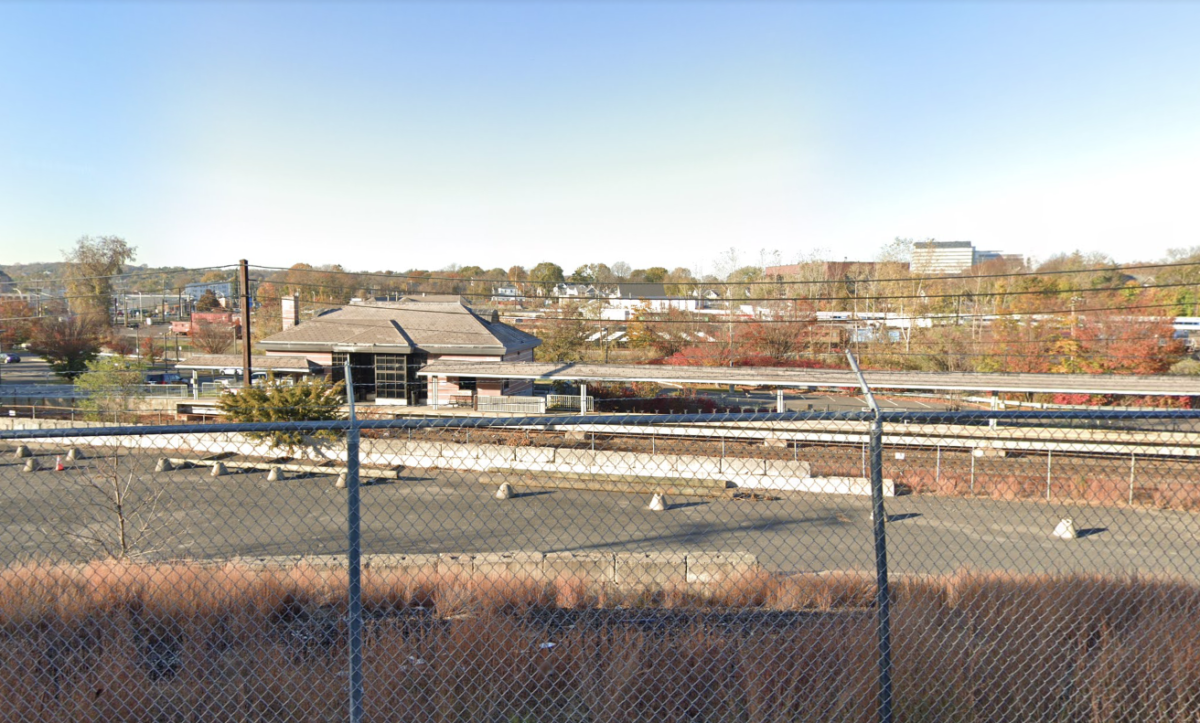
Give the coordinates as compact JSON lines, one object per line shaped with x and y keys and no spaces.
{"x":1011,"y":566}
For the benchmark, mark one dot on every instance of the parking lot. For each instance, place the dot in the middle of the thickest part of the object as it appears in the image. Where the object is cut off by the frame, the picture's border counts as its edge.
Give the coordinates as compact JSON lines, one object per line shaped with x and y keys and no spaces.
{"x":188,"y":513}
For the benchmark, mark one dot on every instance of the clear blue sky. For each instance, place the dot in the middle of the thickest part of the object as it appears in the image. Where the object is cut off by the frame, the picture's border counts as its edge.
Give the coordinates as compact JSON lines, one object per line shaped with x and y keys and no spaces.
{"x":399,"y":135}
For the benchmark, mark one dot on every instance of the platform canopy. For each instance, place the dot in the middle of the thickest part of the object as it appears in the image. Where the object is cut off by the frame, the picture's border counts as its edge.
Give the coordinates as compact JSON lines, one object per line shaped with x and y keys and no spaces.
{"x":294,"y":364}
{"x":1147,"y":385}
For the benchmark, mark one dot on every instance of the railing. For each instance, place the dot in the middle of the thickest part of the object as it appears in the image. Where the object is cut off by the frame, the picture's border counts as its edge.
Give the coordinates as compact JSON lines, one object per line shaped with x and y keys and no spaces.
{"x":511,"y":405}
{"x":175,"y":391}
{"x":568,"y":402}
{"x":70,"y":391}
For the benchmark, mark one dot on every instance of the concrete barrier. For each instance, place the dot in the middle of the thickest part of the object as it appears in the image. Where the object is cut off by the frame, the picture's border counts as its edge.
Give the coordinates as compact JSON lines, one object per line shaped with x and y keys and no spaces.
{"x":594,"y":567}
{"x":417,"y":566}
{"x":743,"y":472}
{"x":718,"y":568}
{"x":631,"y":571}
{"x":649,"y":570}
{"x":456,"y":565}
{"x":510,"y":564}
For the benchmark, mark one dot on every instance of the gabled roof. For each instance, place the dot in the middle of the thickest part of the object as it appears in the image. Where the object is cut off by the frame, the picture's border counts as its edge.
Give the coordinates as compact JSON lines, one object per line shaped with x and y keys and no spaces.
{"x":398,"y":327}
{"x":640,"y":290}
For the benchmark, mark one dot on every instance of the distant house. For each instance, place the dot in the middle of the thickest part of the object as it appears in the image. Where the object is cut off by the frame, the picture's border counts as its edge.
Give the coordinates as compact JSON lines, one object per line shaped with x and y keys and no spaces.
{"x":387,"y":342}
{"x":651,"y":296}
{"x":506,"y":292}
{"x":575,"y":291}
{"x":6,"y":283}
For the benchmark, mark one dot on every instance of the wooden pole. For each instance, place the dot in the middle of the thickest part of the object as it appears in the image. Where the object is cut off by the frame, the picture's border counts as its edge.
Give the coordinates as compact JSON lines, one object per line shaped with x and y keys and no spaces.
{"x":244,"y":277}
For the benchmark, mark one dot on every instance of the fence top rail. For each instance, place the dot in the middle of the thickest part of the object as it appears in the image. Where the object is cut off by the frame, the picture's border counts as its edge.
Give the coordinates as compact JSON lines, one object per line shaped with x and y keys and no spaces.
{"x":552,"y":422}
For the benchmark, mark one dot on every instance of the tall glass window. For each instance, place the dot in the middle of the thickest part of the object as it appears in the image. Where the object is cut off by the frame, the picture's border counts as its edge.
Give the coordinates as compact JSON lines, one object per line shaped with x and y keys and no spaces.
{"x":391,"y":376}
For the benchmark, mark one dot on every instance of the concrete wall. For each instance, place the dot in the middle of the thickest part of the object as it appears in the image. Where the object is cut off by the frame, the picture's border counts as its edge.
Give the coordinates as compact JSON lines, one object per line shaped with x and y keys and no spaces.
{"x":625,"y":570}
{"x":742,"y":472}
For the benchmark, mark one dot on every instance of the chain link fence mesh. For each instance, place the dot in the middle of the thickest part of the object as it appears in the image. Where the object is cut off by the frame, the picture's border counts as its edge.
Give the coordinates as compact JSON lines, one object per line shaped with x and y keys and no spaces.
{"x":1042,"y":567}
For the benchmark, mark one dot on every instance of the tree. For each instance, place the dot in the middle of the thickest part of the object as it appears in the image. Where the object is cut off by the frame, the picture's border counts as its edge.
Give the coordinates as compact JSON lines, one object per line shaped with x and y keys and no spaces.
{"x":68,"y":343}
{"x":781,"y":338}
{"x":582,"y":275}
{"x":268,"y":317}
{"x":668,"y":332}
{"x":213,"y":338}
{"x":208,"y":301}
{"x":16,"y":322}
{"x":120,"y":344}
{"x":112,"y":385}
{"x":151,"y":352}
{"x":564,"y":338}
{"x":546,"y":275}
{"x":91,"y":267}
{"x":314,"y":400}
{"x":120,"y":513}
{"x":655,"y":274}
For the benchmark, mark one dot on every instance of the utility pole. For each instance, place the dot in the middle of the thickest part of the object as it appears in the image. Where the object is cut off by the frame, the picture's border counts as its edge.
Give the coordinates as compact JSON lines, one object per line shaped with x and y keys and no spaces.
{"x":244,"y":278}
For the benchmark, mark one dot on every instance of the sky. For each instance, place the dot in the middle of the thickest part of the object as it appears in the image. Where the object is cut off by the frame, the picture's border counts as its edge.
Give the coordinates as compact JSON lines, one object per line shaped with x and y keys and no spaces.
{"x":423,"y":135}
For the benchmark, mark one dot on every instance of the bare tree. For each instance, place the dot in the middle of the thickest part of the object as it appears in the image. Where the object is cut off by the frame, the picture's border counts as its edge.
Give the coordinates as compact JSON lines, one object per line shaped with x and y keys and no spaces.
{"x":213,"y":338}
{"x":122,"y":517}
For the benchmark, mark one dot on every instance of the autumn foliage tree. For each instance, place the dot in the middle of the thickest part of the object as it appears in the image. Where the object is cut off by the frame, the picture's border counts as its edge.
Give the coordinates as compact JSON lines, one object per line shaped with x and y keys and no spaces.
{"x":17,"y":318}
{"x":564,"y":336}
{"x":69,"y":343}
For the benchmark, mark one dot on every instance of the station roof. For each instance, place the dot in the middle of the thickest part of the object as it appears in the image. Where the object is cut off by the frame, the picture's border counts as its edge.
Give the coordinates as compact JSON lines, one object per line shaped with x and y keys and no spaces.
{"x":442,"y":325}
{"x":1147,"y":385}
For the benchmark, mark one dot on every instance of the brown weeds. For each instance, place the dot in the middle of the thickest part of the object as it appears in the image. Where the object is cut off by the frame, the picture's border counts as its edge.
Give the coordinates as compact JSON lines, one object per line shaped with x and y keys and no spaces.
{"x":121,"y":641}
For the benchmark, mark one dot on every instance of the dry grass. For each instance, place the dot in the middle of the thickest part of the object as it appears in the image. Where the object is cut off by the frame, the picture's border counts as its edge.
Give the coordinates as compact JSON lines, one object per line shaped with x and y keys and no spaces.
{"x":192,"y":642}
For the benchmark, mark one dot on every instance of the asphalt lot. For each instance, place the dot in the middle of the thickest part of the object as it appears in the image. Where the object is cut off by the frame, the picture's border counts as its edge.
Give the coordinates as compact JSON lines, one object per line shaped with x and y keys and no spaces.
{"x":49,"y":514}
{"x":30,"y":370}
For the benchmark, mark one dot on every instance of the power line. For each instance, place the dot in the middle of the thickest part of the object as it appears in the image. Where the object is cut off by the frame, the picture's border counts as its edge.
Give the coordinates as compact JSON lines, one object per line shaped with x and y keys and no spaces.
{"x":963,"y":317}
{"x":406,"y":277}
{"x":122,"y":275}
{"x":973,"y":296}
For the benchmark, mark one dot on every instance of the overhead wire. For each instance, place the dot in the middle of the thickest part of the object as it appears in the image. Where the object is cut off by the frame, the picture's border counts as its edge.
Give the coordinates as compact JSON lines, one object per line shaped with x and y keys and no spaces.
{"x":408,"y":276}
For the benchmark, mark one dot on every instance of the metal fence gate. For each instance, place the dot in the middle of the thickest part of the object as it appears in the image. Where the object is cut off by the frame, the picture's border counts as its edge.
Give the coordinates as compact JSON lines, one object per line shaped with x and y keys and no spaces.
{"x":1034,"y":566}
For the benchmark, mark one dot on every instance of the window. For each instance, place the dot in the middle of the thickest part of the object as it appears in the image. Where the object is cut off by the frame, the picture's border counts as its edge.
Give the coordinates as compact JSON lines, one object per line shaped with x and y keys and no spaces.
{"x":391,"y":378}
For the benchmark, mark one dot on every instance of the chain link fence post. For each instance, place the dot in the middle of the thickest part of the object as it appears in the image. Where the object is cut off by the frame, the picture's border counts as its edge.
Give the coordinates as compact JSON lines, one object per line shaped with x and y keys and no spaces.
{"x":879,"y":529}
{"x":354,"y":557}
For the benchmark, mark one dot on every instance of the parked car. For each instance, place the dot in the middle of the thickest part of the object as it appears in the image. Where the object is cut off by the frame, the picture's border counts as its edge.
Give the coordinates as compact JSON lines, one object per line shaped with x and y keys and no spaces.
{"x":12,"y":358}
{"x":164,"y":378}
